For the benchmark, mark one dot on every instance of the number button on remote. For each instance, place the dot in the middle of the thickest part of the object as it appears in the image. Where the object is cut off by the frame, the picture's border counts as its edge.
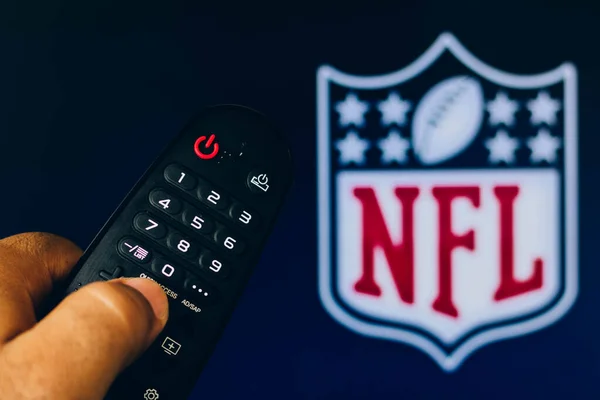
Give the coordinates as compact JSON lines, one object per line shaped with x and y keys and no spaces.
{"x":167,"y":271}
{"x":197,"y":220}
{"x":213,"y":266}
{"x":134,"y":250}
{"x":228,"y":242}
{"x":243,"y":216}
{"x":165,"y":202}
{"x":212,"y":197}
{"x":182,"y":245}
{"x":179,"y":177}
{"x":149,"y":226}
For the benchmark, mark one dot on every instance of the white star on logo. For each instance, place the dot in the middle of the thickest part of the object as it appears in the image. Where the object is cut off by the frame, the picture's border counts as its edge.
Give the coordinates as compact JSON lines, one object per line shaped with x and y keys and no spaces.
{"x":393,"y":148}
{"x":352,"y":110}
{"x":543,"y":146}
{"x":502,"y":110}
{"x":352,"y":148}
{"x":502,"y":147}
{"x":543,"y":109}
{"x":394,"y":109}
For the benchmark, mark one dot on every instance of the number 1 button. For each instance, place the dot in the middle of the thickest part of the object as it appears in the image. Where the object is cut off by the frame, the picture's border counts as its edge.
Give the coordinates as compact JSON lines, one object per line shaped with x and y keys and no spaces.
{"x":180,"y":178}
{"x":149,"y":226}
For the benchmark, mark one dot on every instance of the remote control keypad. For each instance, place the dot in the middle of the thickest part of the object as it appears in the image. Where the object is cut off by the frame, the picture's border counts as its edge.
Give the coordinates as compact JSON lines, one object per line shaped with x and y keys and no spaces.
{"x":207,"y":251}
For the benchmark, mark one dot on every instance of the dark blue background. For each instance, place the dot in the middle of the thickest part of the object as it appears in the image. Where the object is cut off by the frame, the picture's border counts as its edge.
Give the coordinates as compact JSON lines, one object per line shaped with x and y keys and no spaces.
{"x":91,"y":91}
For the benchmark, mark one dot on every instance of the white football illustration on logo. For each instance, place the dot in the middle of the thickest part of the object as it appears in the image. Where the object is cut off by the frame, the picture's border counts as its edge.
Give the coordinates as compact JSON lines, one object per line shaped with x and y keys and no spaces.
{"x":447,"y":119}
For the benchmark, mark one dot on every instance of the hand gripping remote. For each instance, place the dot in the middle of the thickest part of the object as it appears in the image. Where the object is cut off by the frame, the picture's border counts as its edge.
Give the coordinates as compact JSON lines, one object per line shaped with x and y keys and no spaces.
{"x":196,"y":223}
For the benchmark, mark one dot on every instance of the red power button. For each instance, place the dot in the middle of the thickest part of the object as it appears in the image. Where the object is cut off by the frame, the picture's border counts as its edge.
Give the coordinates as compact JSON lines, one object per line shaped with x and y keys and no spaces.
{"x":204,"y":150}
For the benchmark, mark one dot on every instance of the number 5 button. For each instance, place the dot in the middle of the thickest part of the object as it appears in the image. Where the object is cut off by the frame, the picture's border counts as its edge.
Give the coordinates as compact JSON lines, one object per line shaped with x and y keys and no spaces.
{"x":229,"y":242}
{"x":197,"y":220}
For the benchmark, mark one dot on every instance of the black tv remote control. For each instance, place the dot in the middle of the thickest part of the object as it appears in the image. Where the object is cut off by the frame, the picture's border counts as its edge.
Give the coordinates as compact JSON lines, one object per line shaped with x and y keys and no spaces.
{"x":196,"y":223}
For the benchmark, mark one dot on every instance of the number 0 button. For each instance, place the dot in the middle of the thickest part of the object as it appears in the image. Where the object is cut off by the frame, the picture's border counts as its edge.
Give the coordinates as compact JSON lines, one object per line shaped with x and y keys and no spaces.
{"x":167,"y":271}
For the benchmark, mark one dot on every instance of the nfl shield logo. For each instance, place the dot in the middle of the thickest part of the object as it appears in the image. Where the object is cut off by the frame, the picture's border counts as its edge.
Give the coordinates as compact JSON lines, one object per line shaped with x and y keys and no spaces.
{"x":447,"y":201}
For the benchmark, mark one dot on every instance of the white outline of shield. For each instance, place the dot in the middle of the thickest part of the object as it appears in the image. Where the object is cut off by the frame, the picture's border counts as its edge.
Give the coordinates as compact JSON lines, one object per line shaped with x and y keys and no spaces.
{"x":446,"y":41}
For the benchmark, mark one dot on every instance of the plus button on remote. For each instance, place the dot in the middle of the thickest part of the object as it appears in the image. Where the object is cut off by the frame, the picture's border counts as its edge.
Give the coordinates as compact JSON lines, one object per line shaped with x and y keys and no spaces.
{"x":206,"y":147}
